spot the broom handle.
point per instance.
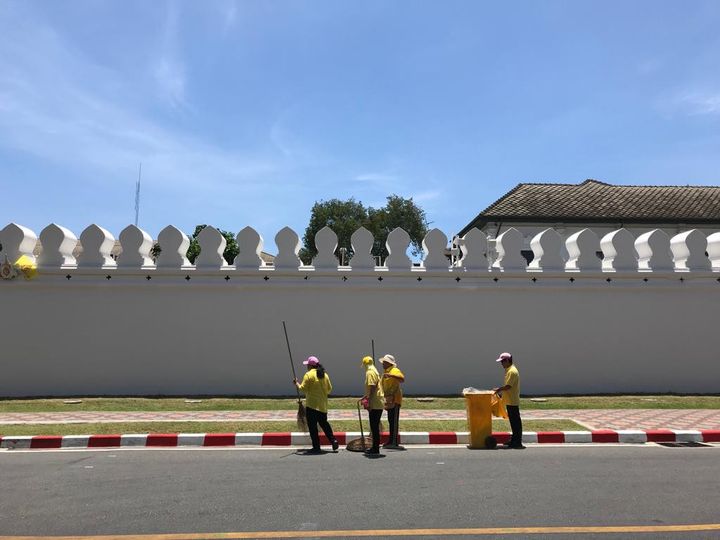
(291, 361)
(362, 435)
(372, 341)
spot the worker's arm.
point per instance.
(301, 386)
(510, 380)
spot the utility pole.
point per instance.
(137, 195)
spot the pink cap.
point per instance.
(504, 356)
(311, 361)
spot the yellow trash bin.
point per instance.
(479, 416)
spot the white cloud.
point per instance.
(376, 177)
(168, 69)
(426, 196)
(700, 103)
(170, 77)
(230, 14)
(650, 66)
(697, 101)
(60, 107)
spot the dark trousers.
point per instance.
(394, 421)
(314, 418)
(515, 424)
(375, 415)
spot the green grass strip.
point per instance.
(269, 404)
(259, 427)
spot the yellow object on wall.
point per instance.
(26, 265)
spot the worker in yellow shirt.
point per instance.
(510, 393)
(316, 386)
(374, 401)
(391, 379)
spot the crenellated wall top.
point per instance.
(617, 253)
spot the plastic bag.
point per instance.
(497, 407)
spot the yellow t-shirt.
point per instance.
(372, 378)
(512, 379)
(391, 380)
(316, 390)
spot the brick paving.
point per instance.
(590, 418)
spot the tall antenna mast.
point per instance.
(137, 195)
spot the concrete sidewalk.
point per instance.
(593, 419)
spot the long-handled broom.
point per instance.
(372, 345)
(363, 443)
(301, 416)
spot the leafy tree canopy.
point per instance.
(231, 248)
(345, 217)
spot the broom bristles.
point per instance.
(301, 417)
(360, 444)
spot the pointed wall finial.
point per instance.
(435, 245)
(397, 244)
(97, 245)
(250, 244)
(688, 249)
(17, 241)
(288, 244)
(174, 245)
(509, 247)
(583, 247)
(653, 250)
(212, 246)
(547, 247)
(474, 248)
(362, 242)
(58, 244)
(326, 242)
(136, 245)
(618, 249)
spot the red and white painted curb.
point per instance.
(632, 436)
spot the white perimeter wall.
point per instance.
(90, 335)
(644, 319)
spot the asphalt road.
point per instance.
(203, 491)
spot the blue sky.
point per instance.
(247, 112)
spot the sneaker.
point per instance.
(335, 445)
(313, 451)
(372, 451)
(517, 447)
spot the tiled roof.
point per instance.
(596, 201)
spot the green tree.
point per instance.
(398, 212)
(345, 217)
(231, 248)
